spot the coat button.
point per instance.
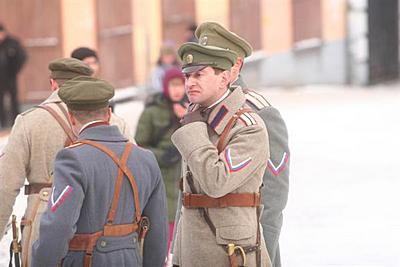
(45, 193)
(103, 243)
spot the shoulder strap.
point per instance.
(228, 128)
(122, 167)
(67, 129)
(118, 184)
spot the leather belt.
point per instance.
(230, 200)
(83, 242)
(35, 188)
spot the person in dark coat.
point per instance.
(12, 58)
(158, 121)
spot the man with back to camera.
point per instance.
(108, 203)
(37, 135)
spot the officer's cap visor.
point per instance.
(191, 69)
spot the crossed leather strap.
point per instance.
(35, 188)
(202, 202)
(87, 242)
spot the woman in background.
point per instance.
(157, 122)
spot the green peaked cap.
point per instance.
(195, 57)
(213, 34)
(68, 68)
(86, 93)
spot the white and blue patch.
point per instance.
(276, 170)
(235, 167)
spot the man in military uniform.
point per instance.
(276, 178)
(225, 150)
(36, 137)
(103, 187)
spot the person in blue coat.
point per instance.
(107, 193)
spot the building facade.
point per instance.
(296, 41)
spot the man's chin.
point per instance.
(193, 99)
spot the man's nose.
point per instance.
(189, 81)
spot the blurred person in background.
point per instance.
(167, 59)
(89, 56)
(156, 124)
(190, 33)
(12, 58)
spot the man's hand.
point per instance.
(197, 115)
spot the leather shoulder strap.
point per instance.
(228, 128)
(66, 127)
(123, 168)
(118, 185)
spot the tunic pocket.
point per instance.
(122, 250)
(236, 234)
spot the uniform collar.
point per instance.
(105, 133)
(224, 110)
(219, 100)
(93, 124)
(53, 98)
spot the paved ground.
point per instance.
(343, 202)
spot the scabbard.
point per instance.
(15, 255)
(233, 260)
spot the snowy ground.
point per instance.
(343, 202)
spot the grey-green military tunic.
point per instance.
(84, 183)
(239, 168)
(276, 177)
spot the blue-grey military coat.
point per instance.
(276, 177)
(84, 182)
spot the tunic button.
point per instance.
(45, 193)
(103, 243)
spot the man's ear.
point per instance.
(53, 84)
(226, 78)
(235, 70)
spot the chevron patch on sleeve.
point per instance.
(54, 204)
(235, 167)
(277, 169)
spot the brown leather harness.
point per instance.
(140, 224)
(35, 188)
(202, 202)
